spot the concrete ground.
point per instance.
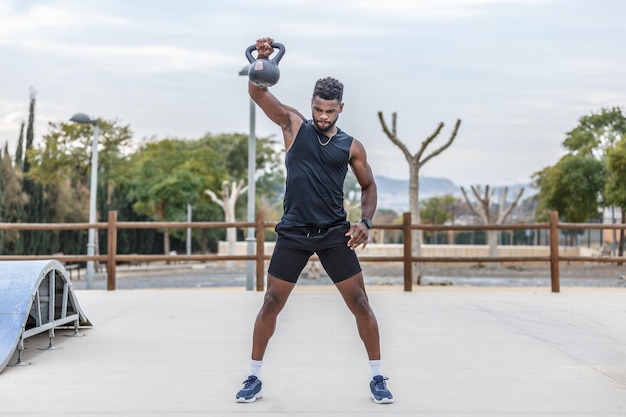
(448, 352)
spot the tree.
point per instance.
(233, 148)
(575, 186)
(615, 186)
(229, 195)
(163, 177)
(389, 216)
(30, 130)
(2, 202)
(62, 165)
(37, 210)
(66, 153)
(490, 214)
(594, 136)
(572, 188)
(19, 153)
(596, 133)
(438, 210)
(416, 162)
(12, 201)
(269, 178)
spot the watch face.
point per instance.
(367, 222)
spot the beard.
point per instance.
(325, 127)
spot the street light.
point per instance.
(251, 189)
(91, 245)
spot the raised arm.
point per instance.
(286, 117)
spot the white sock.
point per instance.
(255, 368)
(377, 367)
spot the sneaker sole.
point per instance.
(250, 400)
(382, 400)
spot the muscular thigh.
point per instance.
(287, 264)
(339, 261)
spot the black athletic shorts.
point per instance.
(296, 244)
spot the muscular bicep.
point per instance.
(271, 106)
(365, 177)
(360, 166)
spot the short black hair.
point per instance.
(328, 89)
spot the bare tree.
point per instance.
(483, 210)
(230, 194)
(416, 162)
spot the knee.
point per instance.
(272, 304)
(360, 306)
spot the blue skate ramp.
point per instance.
(35, 296)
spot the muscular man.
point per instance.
(318, 154)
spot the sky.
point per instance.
(518, 73)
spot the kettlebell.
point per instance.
(264, 72)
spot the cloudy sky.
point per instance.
(518, 73)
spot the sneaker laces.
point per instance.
(380, 383)
(248, 383)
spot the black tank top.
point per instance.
(315, 177)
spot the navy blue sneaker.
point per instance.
(251, 390)
(380, 393)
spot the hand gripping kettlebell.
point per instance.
(264, 72)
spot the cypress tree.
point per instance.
(35, 242)
(19, 153)
(30, 131)
(2, 204)
(2, 190)
(12, 200)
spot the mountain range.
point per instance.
(394, 193)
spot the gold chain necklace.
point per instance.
(320, 140)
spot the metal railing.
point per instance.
(407, 259)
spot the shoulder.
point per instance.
(293, 128)
(295, 114)
(304, 127)
(357, 150)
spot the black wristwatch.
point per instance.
(368, 223)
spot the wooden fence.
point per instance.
(112, 257)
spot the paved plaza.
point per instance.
(448, 352)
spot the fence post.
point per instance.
(260, 252)
(408, 252)
(554, 251)
(111, 250)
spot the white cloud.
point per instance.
(41, 22)
(515, 75)
(137, 58)
(428, 9)
(589, 66)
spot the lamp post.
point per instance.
(91, 245)
(251, 188)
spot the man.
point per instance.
(317, 157)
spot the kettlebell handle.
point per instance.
(275, 45)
